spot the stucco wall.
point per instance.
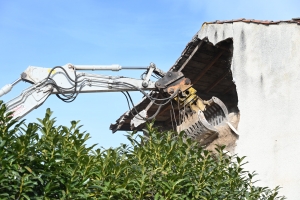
(266, 70)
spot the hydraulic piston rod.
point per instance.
(105, 67)
(7, 88)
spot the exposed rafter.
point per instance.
(214, 84)
(208, 66)
(191, 56)
(231, 87)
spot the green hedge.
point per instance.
(46, 161)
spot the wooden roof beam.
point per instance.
(230, 88)
(208, 66)
(191, 56)
(217, 81)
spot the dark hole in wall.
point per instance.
(210, 72)
(230, 93)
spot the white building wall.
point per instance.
(266, 70)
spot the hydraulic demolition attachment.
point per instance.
(200, 118)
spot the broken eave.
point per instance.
(208, 67)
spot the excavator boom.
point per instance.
(198, 117)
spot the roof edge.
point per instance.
(264, 22)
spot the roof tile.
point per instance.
(264, 22)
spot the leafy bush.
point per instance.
(46, 161)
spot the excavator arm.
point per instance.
(67, 83)
(198, 117)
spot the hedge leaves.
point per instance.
(46, 161)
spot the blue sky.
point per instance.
(129, 32)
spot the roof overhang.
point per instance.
(208, 67)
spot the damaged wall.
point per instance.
(265, 69)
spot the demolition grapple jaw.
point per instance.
(202, 122)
